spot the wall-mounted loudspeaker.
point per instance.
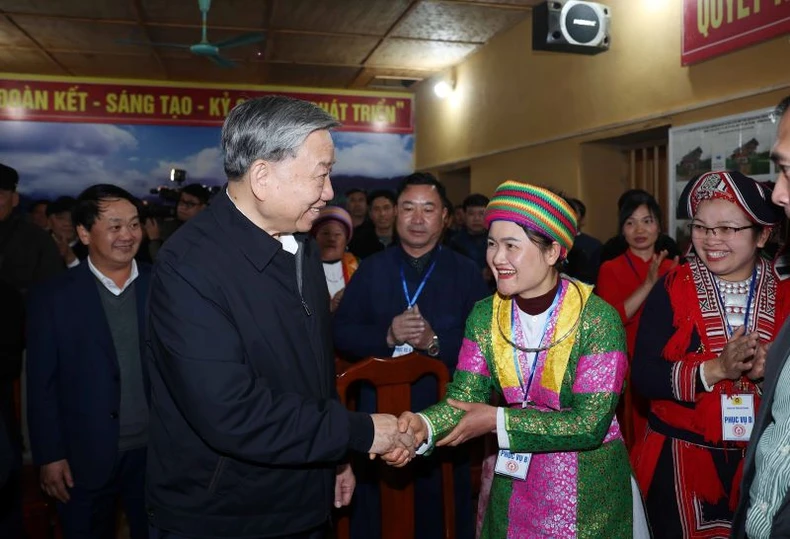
(570, 26)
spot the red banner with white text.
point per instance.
(129, 103)
(715, 27)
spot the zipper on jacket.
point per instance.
(212, 486)
(299, 266)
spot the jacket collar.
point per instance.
(256, 244)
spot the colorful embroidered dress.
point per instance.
(579, 480)
(689, 475)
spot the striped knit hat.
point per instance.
(536, 208)
(333, 213)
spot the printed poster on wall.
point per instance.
(64, 135)
(740, 142)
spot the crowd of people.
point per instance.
(184, 369)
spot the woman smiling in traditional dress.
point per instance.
(556, 354)
(700, 354)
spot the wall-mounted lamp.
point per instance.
(445, 86)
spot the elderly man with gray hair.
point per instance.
(247, 437)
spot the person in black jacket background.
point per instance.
(12, 315)
(247, 435)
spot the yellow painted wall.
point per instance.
(522, 114)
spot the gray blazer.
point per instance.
(775, 362)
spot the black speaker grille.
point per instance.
(582, 23)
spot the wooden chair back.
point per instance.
(392, 378)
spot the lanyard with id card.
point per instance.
(406, 348)
(737, 410)
(516, 465)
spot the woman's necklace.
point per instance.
(735, 294)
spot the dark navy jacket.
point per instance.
(374, 296)
(245, 427)
(73, 379)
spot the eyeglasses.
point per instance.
(721, 232)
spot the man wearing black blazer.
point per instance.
(764, 507)
(87, 398)
(248, 438)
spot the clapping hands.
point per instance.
(410, 327)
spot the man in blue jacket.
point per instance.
(86, 398)
(247, 435)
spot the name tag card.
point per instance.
(402, 350)
(513, 465)
(737, 417)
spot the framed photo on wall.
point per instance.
(740, 142)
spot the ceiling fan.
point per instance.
(204, 47)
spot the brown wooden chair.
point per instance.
(392, 379)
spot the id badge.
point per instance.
(737, 417)
(513, 465)
(402, 350)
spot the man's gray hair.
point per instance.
(270, 128)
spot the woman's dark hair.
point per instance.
(88, 206)
(630, 201)
(543, 243)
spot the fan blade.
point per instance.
(152, 44)
(238, 41)
(220, 61)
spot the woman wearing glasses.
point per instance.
(700, 354)
(625, 281)
(555, 353)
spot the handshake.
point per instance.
(397, 439)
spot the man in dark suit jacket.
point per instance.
(87, 405)
(247, 434)
(764, 507)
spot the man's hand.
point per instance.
(411, 421)
(344, 485)
(479, 419)
(55, 477)
(426, 336)
(414, 425)
(387, 437)
(406, 327)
